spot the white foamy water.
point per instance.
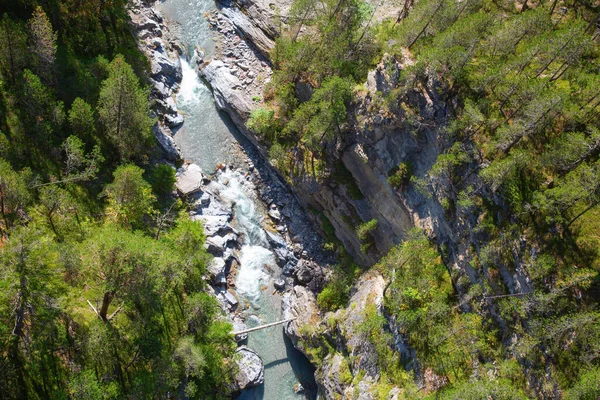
(254, 263)
(248, 218)
(191, 88)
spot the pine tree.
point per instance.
(130, 197)
(81, 119)
(124, 111)
(43, 44)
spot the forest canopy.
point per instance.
(97, 300)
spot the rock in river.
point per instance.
(189, 179)
(252, 370)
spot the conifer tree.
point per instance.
(123, 110)
(43, 44)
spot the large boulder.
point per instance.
(251, 369)
(189, 179)
(164, 69)
(266, 14)
(310, 274)
(299, 303)
(227, 90)
(216, 245)
(215, 224)
(216, 268)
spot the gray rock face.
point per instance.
(227, 89)
(309, 274)
(164, 138)
(216, 269)
(216, 245)
(243, 24)
(251, 369)
(161, 49)
(164, 69)
(266, 14)
(384, 78)
(231, 299)
(299, 303)
(215, 224)
(304, 91)
(332, 373)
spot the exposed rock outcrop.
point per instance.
(245, 27)
(251, 369)
(351, 371)
(162, 49)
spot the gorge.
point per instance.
(338, 199)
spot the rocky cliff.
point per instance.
(381, 138)
(162, 49)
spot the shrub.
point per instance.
(365, 229)
(400, 175)
(262, 121)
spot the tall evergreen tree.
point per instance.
(43, 44)
(123, 110)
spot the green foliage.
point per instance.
(123, 110)
(262, 121)
(13, 48)
(321, 117)
(500, 389)
(41, 112)
(586, 387)
(334, 296)
(130, 197)
(341, 175)
(81, 119)
(364, 230)
(14, 193)
(400, 175)
(92, 305)
(162, 179)
(43, 43)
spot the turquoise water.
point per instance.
(208, 138)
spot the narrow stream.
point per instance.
(207, 138)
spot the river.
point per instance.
(208, 138)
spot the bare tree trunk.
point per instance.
(10, 53)
(368, 24)
(404, 11)
(526, 131)
(308, 10)
(557, 54)
(594, 204)
(441, 3)
(106, 300)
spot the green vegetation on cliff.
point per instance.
(98, 299)
(518, 83)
